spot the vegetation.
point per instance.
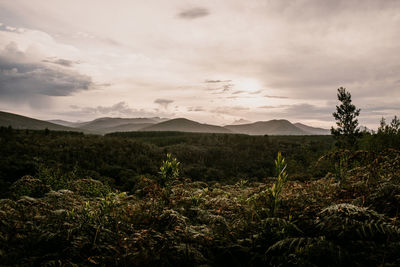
(119, 160)
(221, 200)
(346, 119)
(316, 222)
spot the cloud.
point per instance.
(60, 61)
(219, 86)
(269, 107)
(217, 81)
(238, 92)
(276, 96)
(229, 110)
(163, 102)
(195, 109)
(21, 78)
(118, 109)
(194, 13)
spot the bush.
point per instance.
(90, 188)
(29, 186)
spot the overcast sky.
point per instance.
(206, 60)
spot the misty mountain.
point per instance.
(240, 121)
(65, 123)
(101, 124)
(312, 130)
(185, 125)
(129, 127)
(21, 122)
(109, 125)
(272, 127)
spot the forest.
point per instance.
(197, 199)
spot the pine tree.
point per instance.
(346, 119)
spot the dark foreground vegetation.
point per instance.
(119, 160)
(339, 210)
(217, 200)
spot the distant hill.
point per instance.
(21, 122)
(272, 127)
(240, 121)
(130, 127)
(185, 125)
(65, 123)
(106, 123)
(109, 125)
(312, 130)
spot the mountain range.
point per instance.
(109, 125)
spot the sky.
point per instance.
(215, 62)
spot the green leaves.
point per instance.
(346, 119)
(276, 190)
(169, 169)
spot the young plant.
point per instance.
(275, 191)
(169, 170)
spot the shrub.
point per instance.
(29, 186)
(169, 169)
(89, 187)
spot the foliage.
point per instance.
(318, 223)
(119, 160)
(275, 191)
(29, 186)
(233, 213)
(346, 119)
(169, 169)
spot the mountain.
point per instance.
(312, 130)
(109, 125)
(240, 121)
(272, 127)
(21, 122)
(129, 127)
(106, 123)
(185, 125)
(65, 123)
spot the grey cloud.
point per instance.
(195, 109)
(217, 81)
(219, 86)
(269, 107)
(229, 109)
(60, 61)
(276, 96)
(118, 109)
(194, 13)
(21, 79)
(163, 102)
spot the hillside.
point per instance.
(272, 127)
(312, 130)
(65, 123)
(22, 122)
(101, 124)
(185, 125)
(129, 127)
(108, 125)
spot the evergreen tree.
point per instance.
(346, 119)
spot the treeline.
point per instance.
(120, 159)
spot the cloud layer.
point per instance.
(213, 61)
(21, 78)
